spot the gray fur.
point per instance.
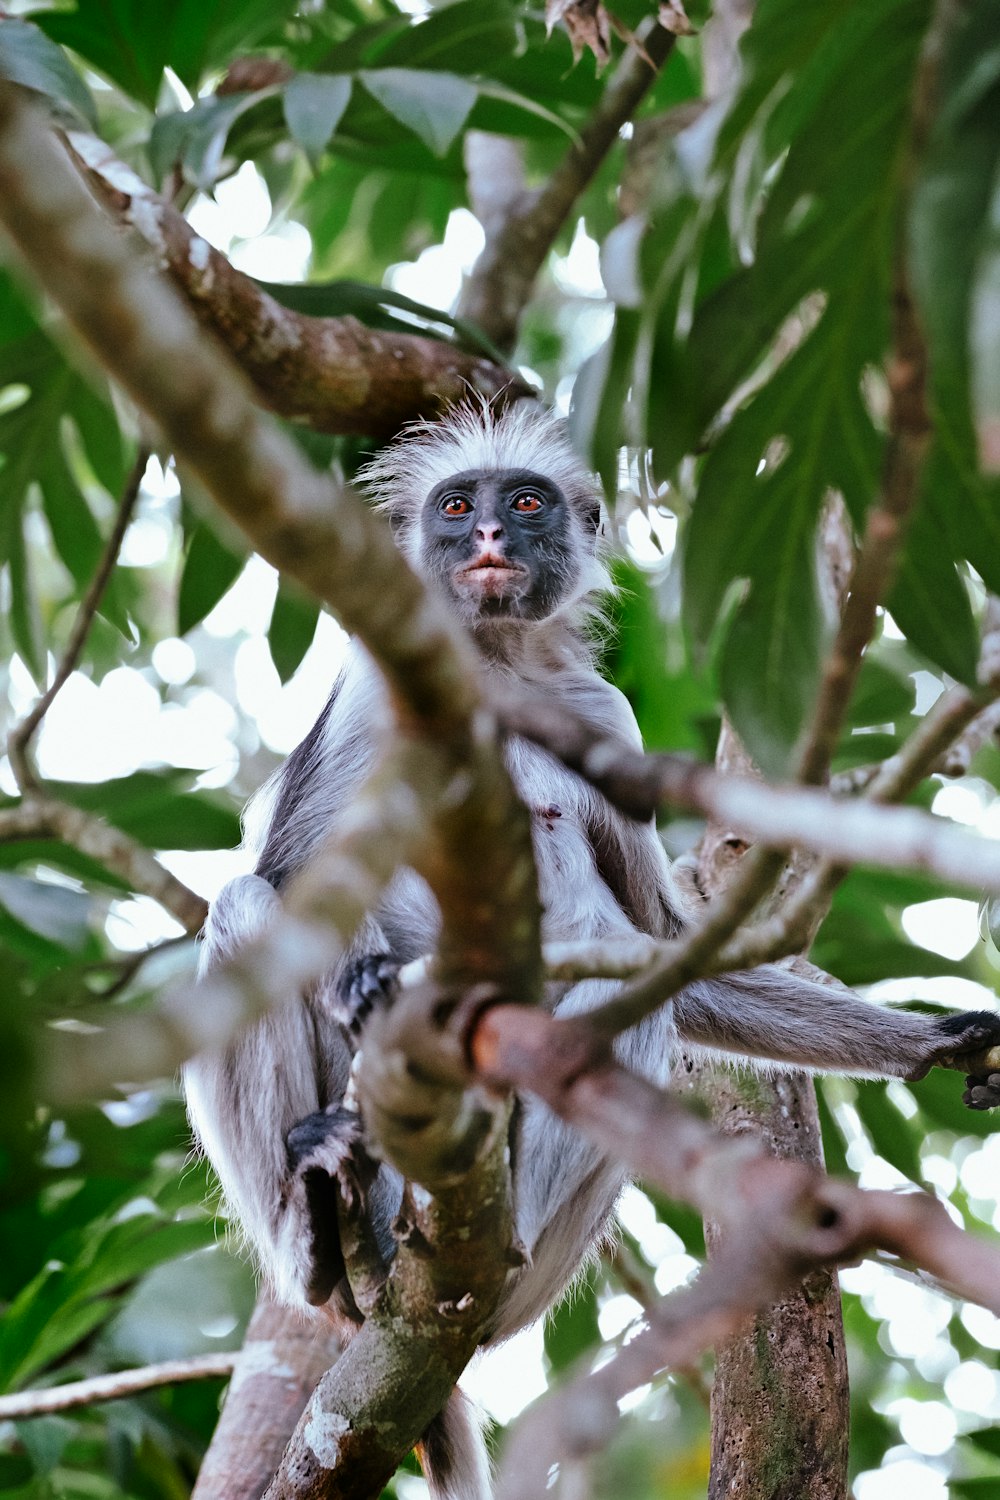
(600, 875)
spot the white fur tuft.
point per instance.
(473, 437)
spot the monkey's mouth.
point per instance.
(492, 577)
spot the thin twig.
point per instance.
(793, 928)
(500, 285)
(21, 735)
(96, 1388)
(690, 956)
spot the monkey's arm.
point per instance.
(774, 1014)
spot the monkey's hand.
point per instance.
(321, 1167)
(971, 1045)
(363, 985)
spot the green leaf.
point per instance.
(951, 205)
(210, 568)
(30, 58)
(314, 104)
(34, 452)
(571, 1329)
(647, 658)
(51, 911)
(929, 601)
(132, 44)
(824, 111)
(292, 627)
(373, 306)
(151, 807)
(881, 696)
(197, 137)
(987, 1440)
(459, 38)
(984, 324)
(434, 106)
(893, 1137)
(599, 396)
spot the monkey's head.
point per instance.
(496, 510)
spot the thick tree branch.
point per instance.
(300, 520)
(333, 374)
(517, 243)
(283, 1357)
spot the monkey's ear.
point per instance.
(594, 519)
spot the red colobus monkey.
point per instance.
(501, 518)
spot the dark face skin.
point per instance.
(501, 543)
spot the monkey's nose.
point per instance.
(489, 533)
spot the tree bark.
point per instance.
(781, 1399)
(282, 1360)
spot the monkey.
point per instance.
(502, 519)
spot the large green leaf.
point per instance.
(953, 246)
(210, 567)
(292, 627)
(821, 122)
(434, 106)
(314, 104)
(70, 1298)
(35, 452)
(118, 36)
(30, 58)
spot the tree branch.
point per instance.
(44, 817)
(500, 284)
(21, 735)
(778, 817)
(312, 529)
(24, 1404)
(283, 1357)
(333, 374)
(781, 1219)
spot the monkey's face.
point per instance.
(504, 544)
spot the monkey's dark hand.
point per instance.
(322, 1169)
(368, 982)
(971, 1044)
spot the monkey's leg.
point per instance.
(565, 1188)
(245, 1101)
(771, 1013)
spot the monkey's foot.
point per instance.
(322, 1173)
(973, 1047)
(982, 1091)
(367, 983)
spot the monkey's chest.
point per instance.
(576, 901)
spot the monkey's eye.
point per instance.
(455, 505)
(528, 503)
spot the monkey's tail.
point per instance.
(453, 1453)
